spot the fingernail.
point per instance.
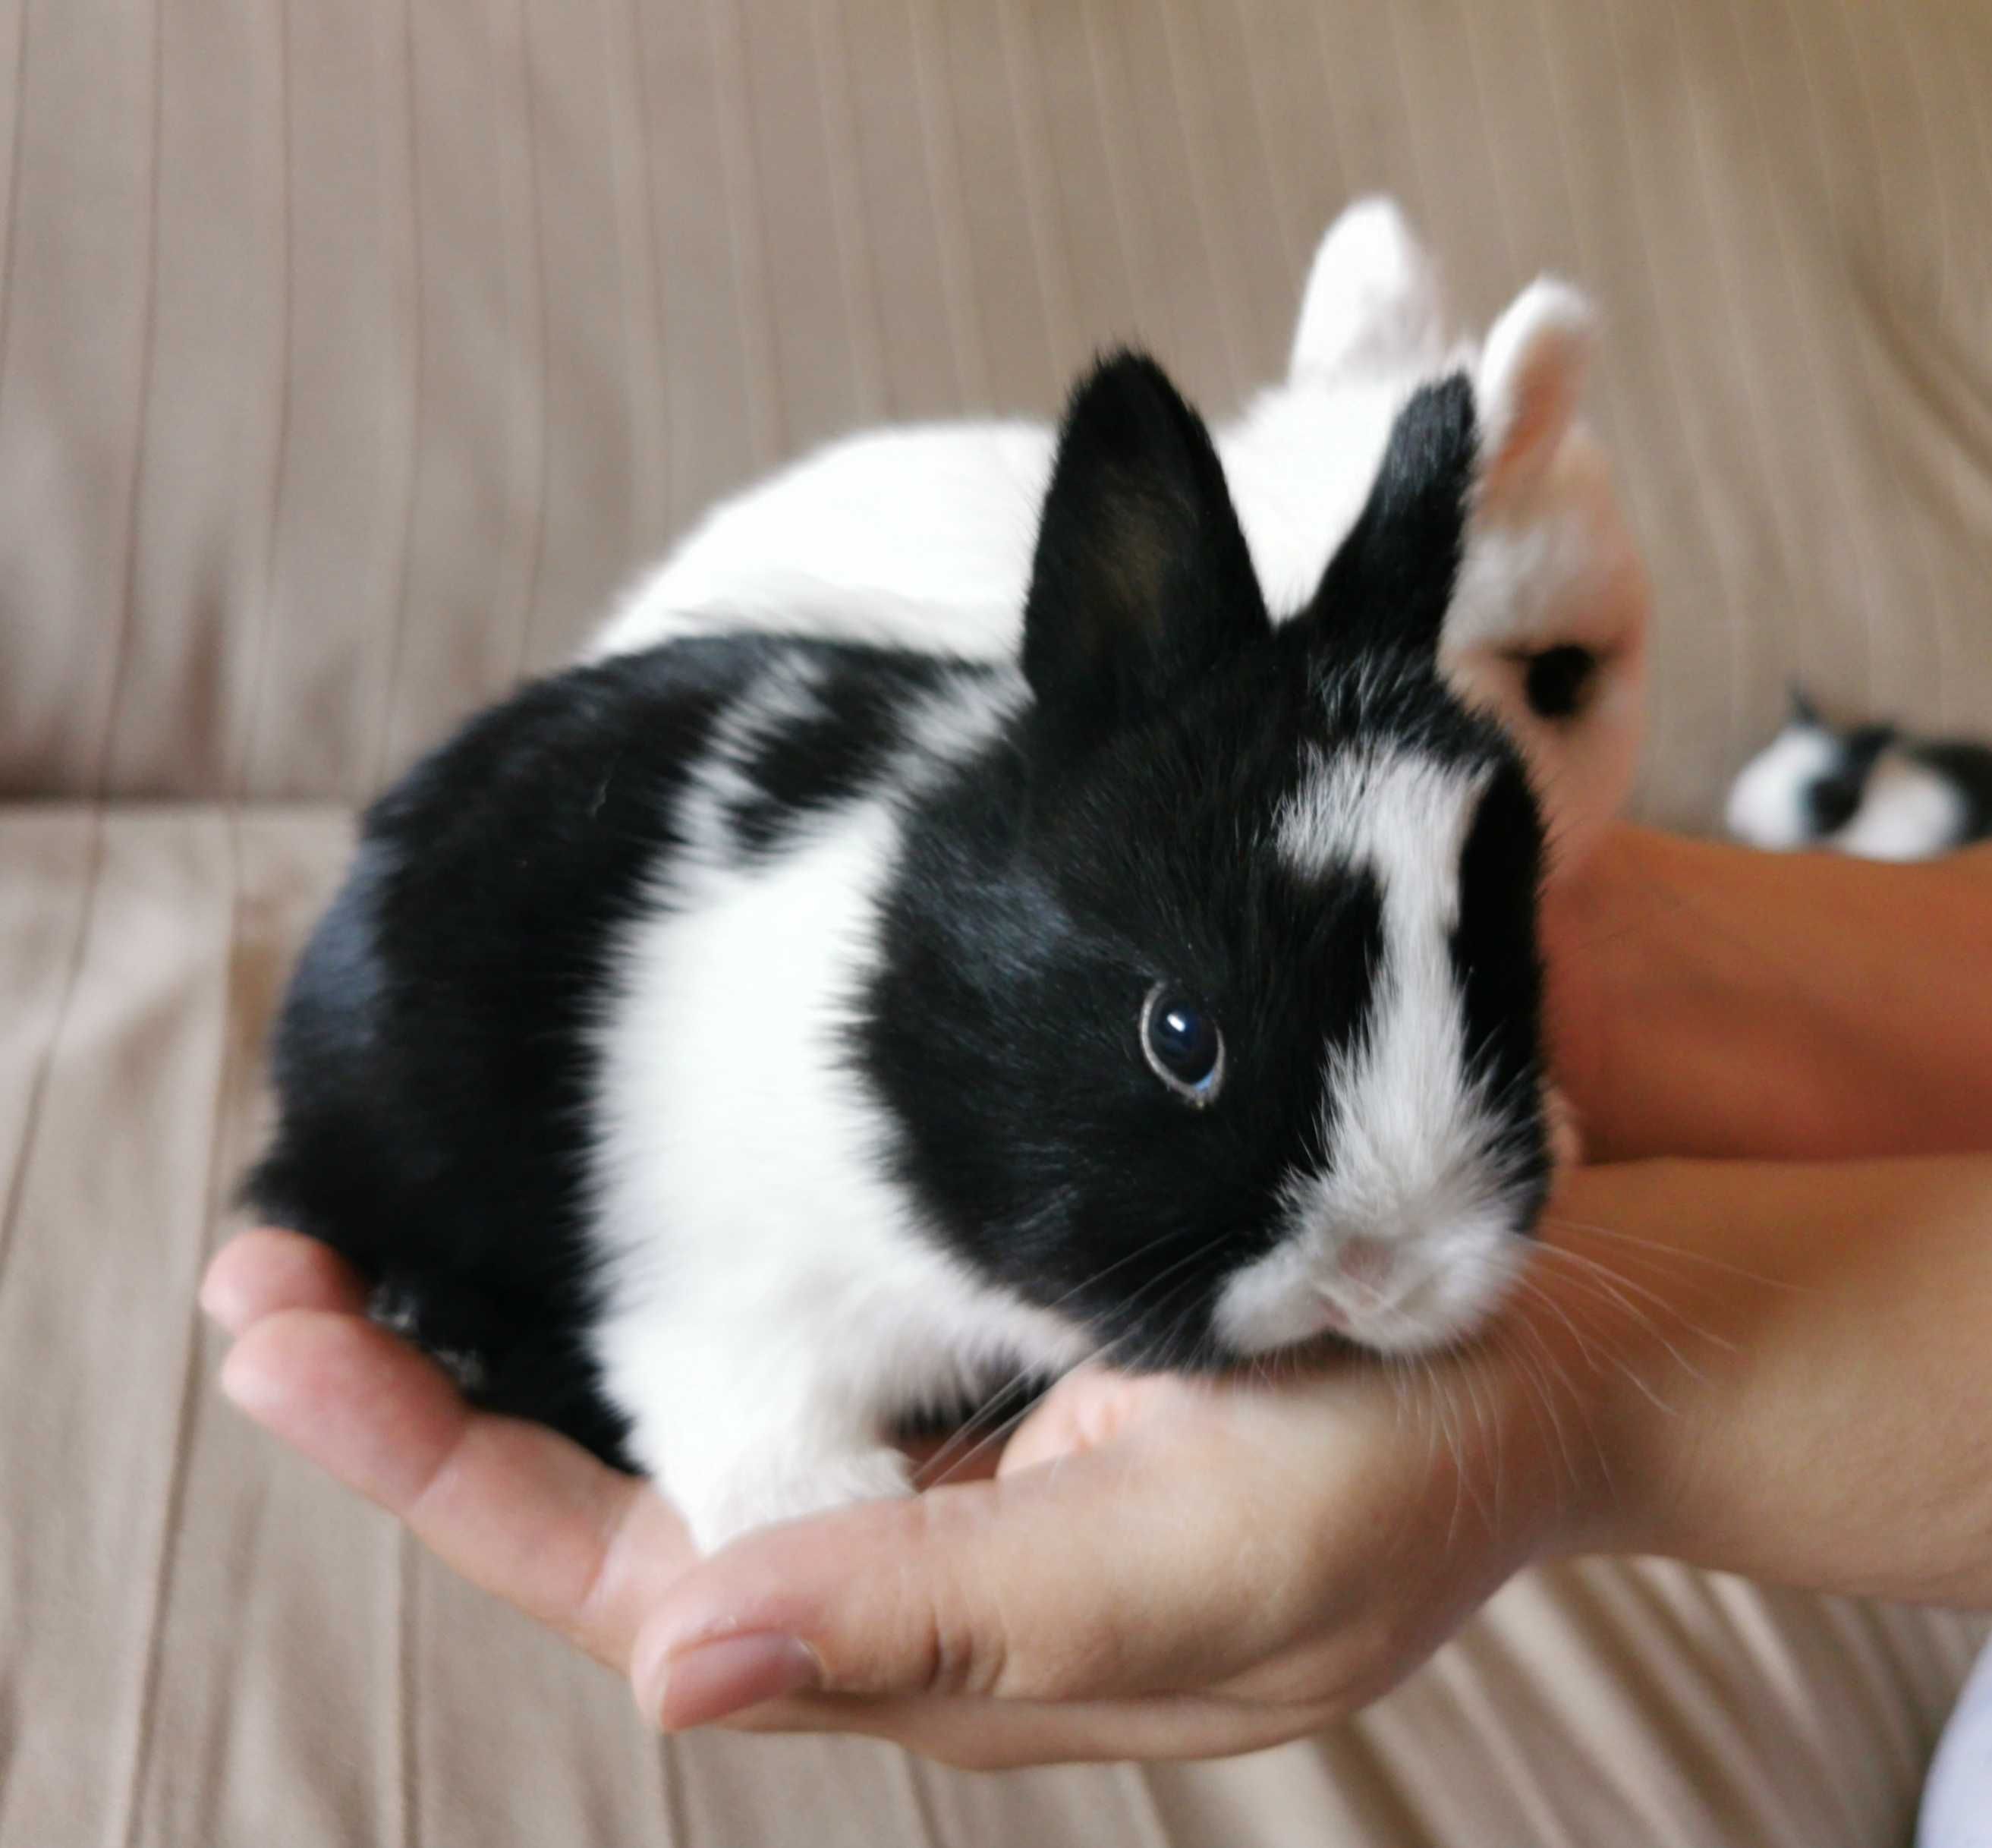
(714, 1679)
(215, 1305)
(242, 1386)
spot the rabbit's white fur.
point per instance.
(1909, 810)
(822, 1297)
(921, 535)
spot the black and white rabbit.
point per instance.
(1874, 791)
(726, 1051)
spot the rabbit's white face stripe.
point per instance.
(1395, 811)
(1413, 1172)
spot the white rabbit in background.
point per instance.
(921, 535)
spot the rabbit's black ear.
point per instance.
(1801, 711)
(1865, 743)
(1389, 585)
(1142, 581)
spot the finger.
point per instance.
(258, 1273)
(514, 1508)
(981, 1734)
(1085, 1410)
(1094, 1577)
(1081, 1411)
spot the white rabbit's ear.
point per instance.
(1531, 375)
(1373, 301)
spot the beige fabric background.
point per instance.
(350, 355)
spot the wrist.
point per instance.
(1555, 1462)
(1626, 1346)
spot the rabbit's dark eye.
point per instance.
(1182, 1044)
(1559, 679)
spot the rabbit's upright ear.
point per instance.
(1865, 743)
(1373, 302)
(1531, 375)
(1142, 580)
(1388, 588)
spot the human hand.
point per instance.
(1161, 1567)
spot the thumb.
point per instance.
(1097, 1575)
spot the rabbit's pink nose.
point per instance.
(1370, 1262)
